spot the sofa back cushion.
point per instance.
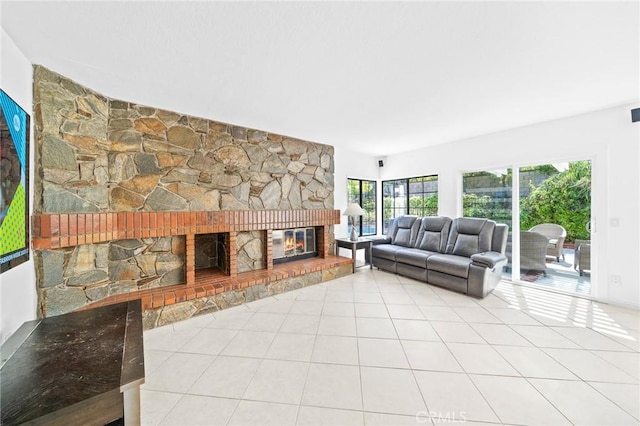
(500, 234)
(433, 234)
(402, 231)
(470, 236)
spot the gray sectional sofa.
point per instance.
(463, 254)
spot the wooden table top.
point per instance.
(55, 363)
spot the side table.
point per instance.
(361, 243)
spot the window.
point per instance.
(418, 196)
(487, 194)
(423, 196)
(394, 194)
(363, 192)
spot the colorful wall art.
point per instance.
(14, 184)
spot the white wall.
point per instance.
(18, 298)
(607, 137)
(350, 165)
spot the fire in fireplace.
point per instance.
(293, 244)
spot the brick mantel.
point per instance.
(52, 231)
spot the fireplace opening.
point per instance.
(211, 252)
(294, 244)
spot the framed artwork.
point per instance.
(14, 183)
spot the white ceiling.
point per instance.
(380, 77)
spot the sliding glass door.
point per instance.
(555, 230)
(548, 210)
(488, 194)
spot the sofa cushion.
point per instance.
(385, 251)
(412, 256)
(449, 264)
(406, 221)
(433, 234)
(403, 237)
(465, 245)
(499, 240)
(470, 236)
(403, 230)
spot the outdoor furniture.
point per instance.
(555, 235)
(533, 251)
(582, 258)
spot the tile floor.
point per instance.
(377, 349)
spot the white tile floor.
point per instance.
(377, 349)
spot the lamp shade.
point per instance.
(354, 209)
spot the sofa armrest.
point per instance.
(380, 240)
(488, 259)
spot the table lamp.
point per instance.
(353, 210)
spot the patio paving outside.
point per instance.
(560, 276)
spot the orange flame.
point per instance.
(289, 244)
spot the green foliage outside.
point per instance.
(484, 206)
(368, 202)
(564, 198)
(487, 206)
(424, 206)
(387, 202)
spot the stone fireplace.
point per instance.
(135, 201)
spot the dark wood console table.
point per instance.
(79, 368)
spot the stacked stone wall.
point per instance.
(72, 277)
(97, 154)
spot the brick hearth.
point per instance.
(216, 282)
(54, 231)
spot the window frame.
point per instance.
(360, 198)
(406, 197)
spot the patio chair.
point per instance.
(555, 235)
(533, 251)
(582, 259)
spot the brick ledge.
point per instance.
(211, 283)
(58, 230)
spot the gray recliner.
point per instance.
(464, 254)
